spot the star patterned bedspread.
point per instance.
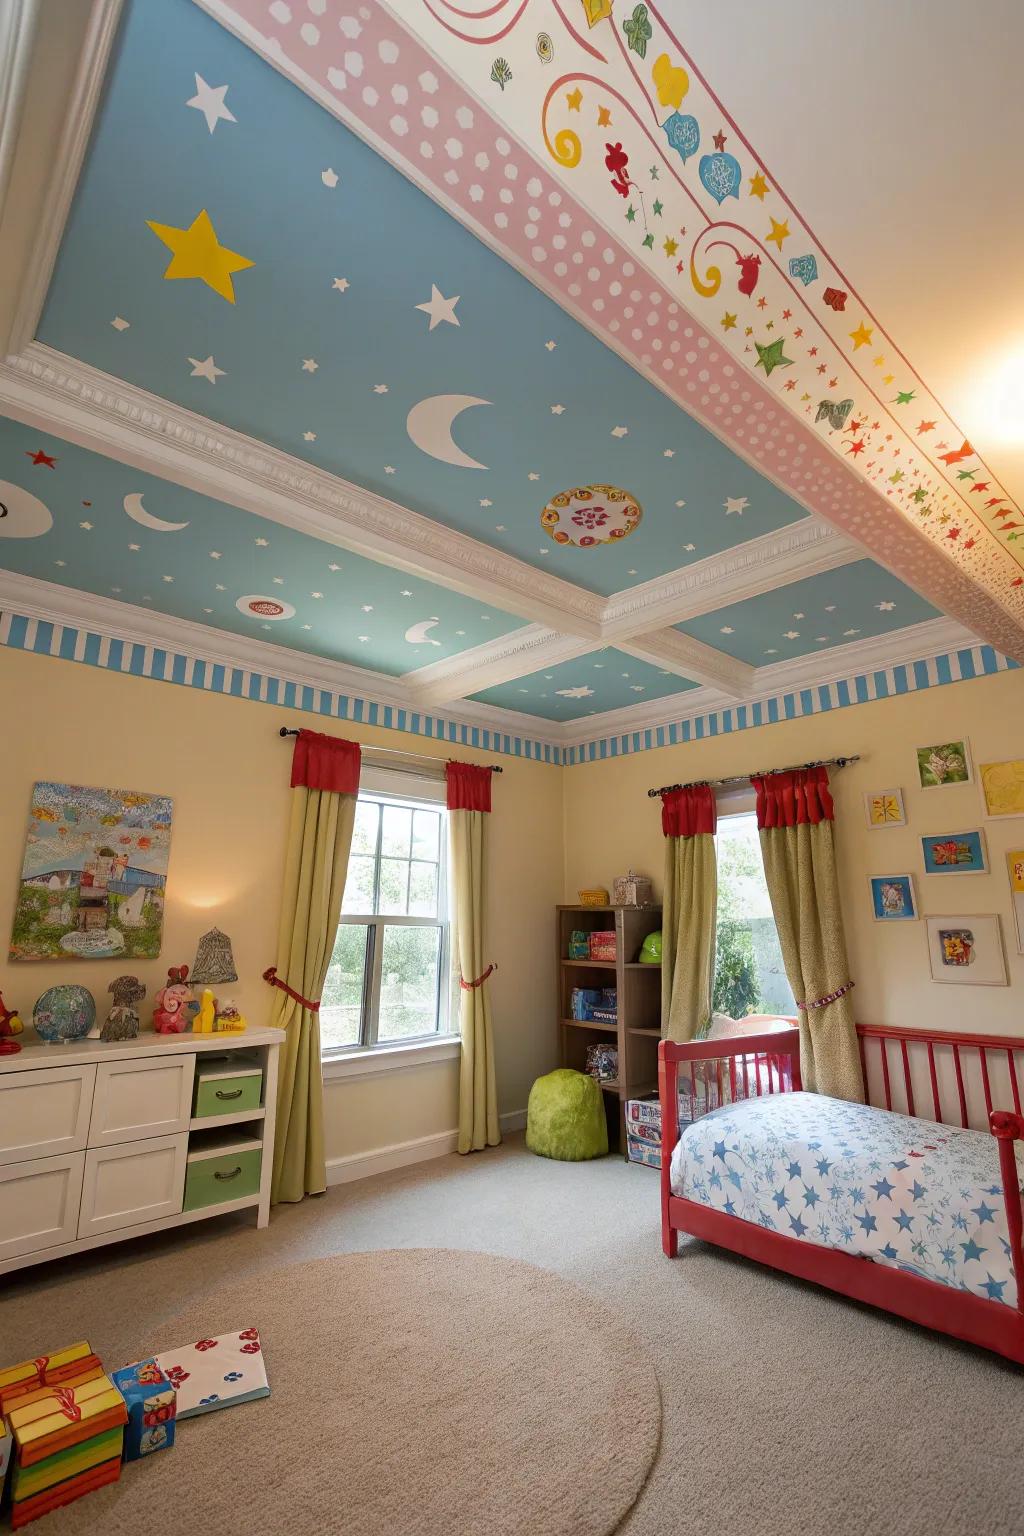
(904, 1192)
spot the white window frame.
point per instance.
(370, 1056)
(738, 801)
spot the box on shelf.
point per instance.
(603, 944)
(594, 1003)
(152, 1407)
(633, 890)
(68, 1440)
(639, 1150)
(579, 944)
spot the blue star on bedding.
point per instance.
(909, 1193)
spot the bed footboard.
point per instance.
(1008, 1128)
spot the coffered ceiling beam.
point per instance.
(502, 660)
(690, 658)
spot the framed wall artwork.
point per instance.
(1002, 786)
(884, 808)
(954, 853)
(967, 951)
(948, 762)
(93, 876)
(1015, 870)
(892, 898)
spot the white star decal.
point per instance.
(830, 607)
(620, 431)
(363, 639)
(637, 688)
(533, 475)
(209, 100)
(310, 365)
(219, 588)
(60, 562)
(689, 547)
(885, 607)
(485, 502)
(405, 592)
(341, 284)
(262, 543)
(851, 631)
(575, 693)
(389, 469)
(120, 324)
(309, 437)
(821, 639)
(135, 546)
(86, 526)
(735, 504)
(316, 594)
(439, 308)
(550, 345)
(791, 634)
(499, 528)
(329, 177)
(799, 615)
(367, 607)
(772, 651)
(214, 554)
(206, 370)
(669, 453)
(167, 578)
(727, 629)
(556, 410)
(380, 389)
(334, 567)
(307, 626)
(278, 581)
(680, 503)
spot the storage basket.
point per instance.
(633, 890)
(594, 896)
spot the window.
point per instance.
(749, 974)
(389, 978)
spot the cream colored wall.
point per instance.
(226, 769)
(610, 826)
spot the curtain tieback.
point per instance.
(470, 986)
(833, 997)
(275, 981)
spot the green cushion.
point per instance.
(565, 1117)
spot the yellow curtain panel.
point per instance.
(469, 805)
(689, 912)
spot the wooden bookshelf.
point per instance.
(638, 995)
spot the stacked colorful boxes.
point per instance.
(603, 944)
(152, 1407)
(643, 1116)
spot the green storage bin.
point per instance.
(231, 1174)
(226, 1089)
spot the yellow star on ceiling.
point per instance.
(778, 232)
(878, 362)
(196, 252)
(575, 99)
(861, 337)
(888, 378)
(758, 186)
(728, 322)
(604, 117)
(670, 247)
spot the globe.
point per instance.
(64, 1014)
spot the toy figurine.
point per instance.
(175, 1005)
(123, 1019)
(229, 1021)
(204, 1021)
(10, 1025)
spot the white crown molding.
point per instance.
(805, 548)
(501, 660)
(18, 21)
(59, 394)
(691, 658)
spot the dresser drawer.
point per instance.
(226, 1089)
(137, 1099)
(131, 1183)
(231, 1174)
(39, 1203)
(44, 1113)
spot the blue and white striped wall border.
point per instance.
(861, 688)
(136, 659)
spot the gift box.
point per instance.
(66, 1492)
(216, 1373)
(72, 1366)
(52, 1418)
(151, 1401)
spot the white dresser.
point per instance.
(99, 1142)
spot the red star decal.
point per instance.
(854, 426)
(679, 266)
(798, 332)
(832, 383)
(982, 485)
(761, 302)
(786, 314)
(969, 544)
(1018, 583)
(857, 447)
(925, 426)
(791, 383)
(994, 501)
(821, 368)
(39, 457)
(718, 139)
(954, 533)
(812, 352)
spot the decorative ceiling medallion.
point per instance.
(256, 607)
(591, 514)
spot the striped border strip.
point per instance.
(861, 688)
(70, 643)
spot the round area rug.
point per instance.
(417, 1392)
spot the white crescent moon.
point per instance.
(22, 515)
(137, 512)
(429, 424)
(417, 634)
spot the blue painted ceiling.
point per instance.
(603, 680)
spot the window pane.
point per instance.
(394, 881)
(423, 890)
(749, 974)
(364, 833)
(425, 829)
(342, 1001)
(358, 885)
(397, 831)
(408, 999)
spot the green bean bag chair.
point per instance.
(565, 1117)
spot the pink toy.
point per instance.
(175, 1004)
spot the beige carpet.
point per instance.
(413, 1393)
(785, 1411)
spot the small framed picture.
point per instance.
(884, 808)
(892, 898)
(1015, 870)
(948, 762)
(1002, 786)
(967, 951)
(954, 853)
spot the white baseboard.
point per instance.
(400, 1154)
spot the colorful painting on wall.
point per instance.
(94, 875)
(954, 853)
(884, 808)
(892, 898)
(947, 763)
(1002, 785)
(967, 951)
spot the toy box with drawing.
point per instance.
(152, 1408)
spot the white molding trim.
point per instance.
(79, 111)
(56, 393)
(379, 1060)
(18, 23)
(498, 661)
(691, 658)
(400, 1154)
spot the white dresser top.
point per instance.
(147, 1043)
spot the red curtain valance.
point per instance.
(793, 798)
(326, 762)
(469, 787)
(686, 812)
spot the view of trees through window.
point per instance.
(749, 973)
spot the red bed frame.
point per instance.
(770, 1063)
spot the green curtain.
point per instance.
(319, 838)
(690, 905)
(469, 804)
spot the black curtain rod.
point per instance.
(745, 778)
(395, 751)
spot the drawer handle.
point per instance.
(235, 1093)
(232, 1175)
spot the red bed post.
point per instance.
(668, 1093)
(1009, 1128)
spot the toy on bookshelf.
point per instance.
(123, 1018)
(175, 1004)
(10, 1025)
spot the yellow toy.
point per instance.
(229, 1021)
(204, 1022)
